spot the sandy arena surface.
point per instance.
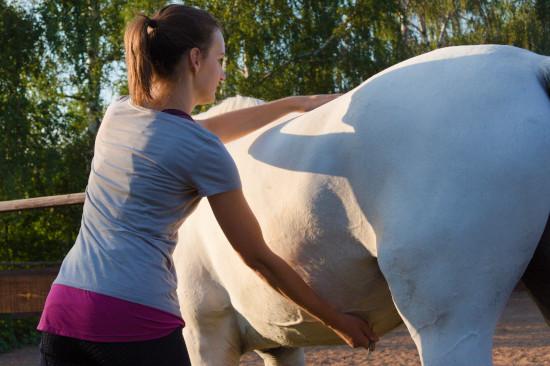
(522, 338)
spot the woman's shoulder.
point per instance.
(122, 108)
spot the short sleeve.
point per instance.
(214, 170)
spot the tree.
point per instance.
(56, 73)
(28, 130)
(277, 48)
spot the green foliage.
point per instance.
(279, 48)
(282, 47)
(15, 333)
(37, 143)
(83, 39)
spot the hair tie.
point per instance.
(152, 23)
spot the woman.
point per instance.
(114, 301)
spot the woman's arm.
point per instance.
(243, 232)
(232, 125)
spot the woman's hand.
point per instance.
(305, 103)
(355, 331)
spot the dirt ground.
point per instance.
(522, 338)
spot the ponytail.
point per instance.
(155, 45)
(138, 59)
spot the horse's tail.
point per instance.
(537, 275)
(545, 74)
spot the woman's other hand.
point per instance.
(305, 103)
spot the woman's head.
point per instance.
(177, 38)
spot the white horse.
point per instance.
(419, 196)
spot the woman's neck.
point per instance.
(172, 96)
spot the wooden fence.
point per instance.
(24, 291)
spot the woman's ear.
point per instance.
(194, 59)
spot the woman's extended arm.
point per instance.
(243, 232)
(232, 125)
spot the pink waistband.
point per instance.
(82, 314)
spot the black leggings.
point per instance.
(64, 351)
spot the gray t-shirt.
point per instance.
(149, 171)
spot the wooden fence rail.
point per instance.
(24, 291)
(42, 202)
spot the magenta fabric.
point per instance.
(179, 113)
(82, 314)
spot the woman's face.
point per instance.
(211, 73)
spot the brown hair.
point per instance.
(155, 45)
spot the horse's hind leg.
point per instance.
(211, 330)
(449, 318)
(537, 276)
(283, 356)
(211, 337)
(450, 284)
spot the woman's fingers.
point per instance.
(319, 100)
(373, 338)
(369, 332)
(356, 332)
(308, 102)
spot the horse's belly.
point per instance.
(318, 229)
(346, 276)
